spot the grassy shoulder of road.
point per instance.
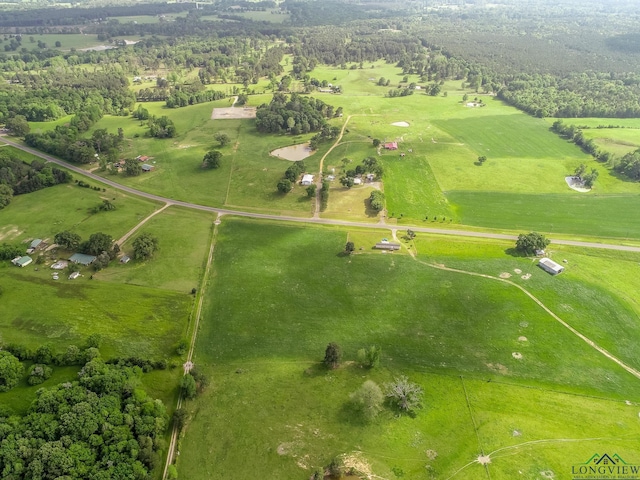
(292, 416)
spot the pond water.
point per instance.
(294, 152)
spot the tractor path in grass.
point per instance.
(322, 221)
(588, 341)
(127, 235)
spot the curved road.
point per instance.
(323, 221)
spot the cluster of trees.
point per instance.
(376, 200)
(291, 174)
(9, 251)
(99, 244)
(629, 165)
(18, 177)
(574, 134)
(324, 194)
(182, 97)
(295, 114)
(65, 141)
(193, 383)
(368, 165)
(52, 93)
(162, 127)
(576, 95)
(587, 178)
(400, 92)
(100, 426)
(325, 134)
(368, 401)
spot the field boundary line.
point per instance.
(188, 364)
(126, 236)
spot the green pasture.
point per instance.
(67, 41)
(247, 178)
(46, 212)
(595, 294)
(618, 141)
(593, 215)
(452, 333)
(132, 320)
(183, 245)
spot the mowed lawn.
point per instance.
(272, 307)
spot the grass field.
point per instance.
(520, 186)
(46, 212)
(449, 332)
(183, 237)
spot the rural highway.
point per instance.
(322, 221)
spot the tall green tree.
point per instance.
(145, 246)
(212, 159)
(68, 240)
(11, 371)
(6, 194)
(18, 125)
(530, 242)
(332, 355)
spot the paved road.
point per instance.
(322, 221)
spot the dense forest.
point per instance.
(18, 177)
(100, 427)
(295, 114)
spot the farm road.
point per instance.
(322, 221)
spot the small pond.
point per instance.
(294, 152)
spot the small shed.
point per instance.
(550, 266)
(125, 259)
(307, 179)
(74, 275)
(22, 261)
(35, 243)
(387, 246)
(82, 259)
(391, 145)
(146, 167)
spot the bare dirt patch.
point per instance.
(484, 459)
(498, 367)
(357, 462)
(517, 355)
(9, 234)
(505, 275)
(228, 113)
(431, 454)
(400, 124)
(522, 339)
(517, 271)
(526, 276)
